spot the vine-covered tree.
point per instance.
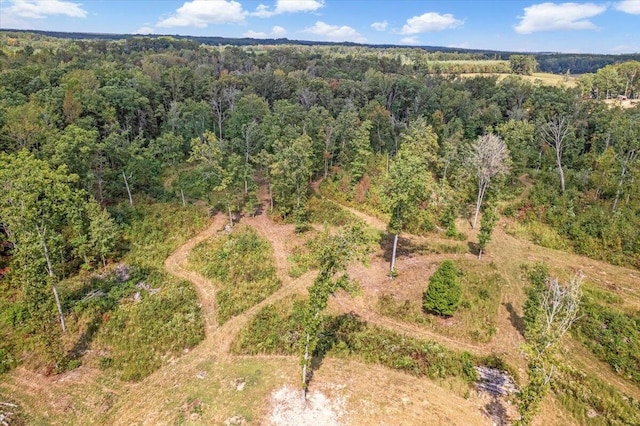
(549, 312)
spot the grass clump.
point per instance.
(475, 318)
(242, 266)
(277, 329)
(611, 334)
(323, 211)
(592, 401)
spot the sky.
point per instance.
(610, 27)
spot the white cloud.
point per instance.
(200, 13)
(145, 30)
(40, 9)
(255, 34)
(413, 40)
(295, 6)
(629, 6)
(430, 22)
(380, 26)
(563, 16)
(625, 48)
(463, 45)
(262, 11)
(278, 32)
(335, 33)
(288, 6)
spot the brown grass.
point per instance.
(209, 386)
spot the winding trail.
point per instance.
(149, 395)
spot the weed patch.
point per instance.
(611, 334)
(593, 402)
(475, 319)
(242, 266)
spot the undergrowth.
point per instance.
(610, 333)
(592, 401)
(242, 266)
(474, 319)
(276, 329)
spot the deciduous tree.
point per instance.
(489, 158)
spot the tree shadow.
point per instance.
(516, 320)
(405, 246)
(474, 248)
(337, 331)
(497, 412)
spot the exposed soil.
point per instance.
(342, 392)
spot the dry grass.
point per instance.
(538, 77)
(209, 386)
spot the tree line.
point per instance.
(85, 125)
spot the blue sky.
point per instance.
(528, 26)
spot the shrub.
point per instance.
(444, 292)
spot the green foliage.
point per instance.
(444, 292)
(522, 64)
(241, 264)
(611, 334)
(141, 334)
(323, 211)
(276, 330)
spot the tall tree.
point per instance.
(557, 134)
(549, 312)
(489, 158)
(290, 174)
(335, 253)
(410, 182)
(39, 208)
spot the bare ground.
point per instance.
(353, 393)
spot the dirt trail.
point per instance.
(175, 265)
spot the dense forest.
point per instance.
(108, 144)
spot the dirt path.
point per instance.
(175, 265)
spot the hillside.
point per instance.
(193, 234)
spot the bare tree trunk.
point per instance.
(128, 190)
(184, 204)
(304, 367)
(630, 156)
(393, 256)
(50, 272)
(482, 187)
(480, 253)
(270, 198)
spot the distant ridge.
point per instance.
(553, 62)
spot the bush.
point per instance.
(444, 292)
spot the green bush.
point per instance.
(444, 292)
